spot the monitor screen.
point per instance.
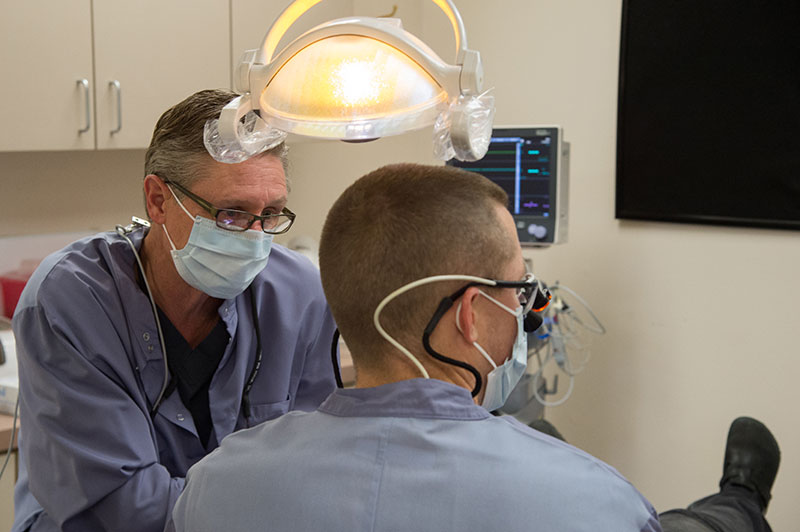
(708, 127)
(524, 161)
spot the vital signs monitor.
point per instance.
(531, 164)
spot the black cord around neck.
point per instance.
(444, 306)
(256, 364)
(335, 360)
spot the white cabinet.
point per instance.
(160, 51)
(138, 58)
(47, 48)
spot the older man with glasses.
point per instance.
(141, 349)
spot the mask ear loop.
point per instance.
(477, 346)
(180, 202)
(171, 243)
(481, 350)
(508, 309)
(164, 226)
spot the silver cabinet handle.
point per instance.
(84, 84)
(116, 86)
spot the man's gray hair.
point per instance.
(177, 151)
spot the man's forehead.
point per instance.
(259, 176)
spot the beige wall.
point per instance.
(57, 192)
(322, 170)
(700, 319)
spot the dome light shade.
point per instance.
(354, 78)
(351, 87)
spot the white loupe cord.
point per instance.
(411, 286)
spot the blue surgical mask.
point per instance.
(502, 379)
(218, 262)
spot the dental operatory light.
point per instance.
(354, 79)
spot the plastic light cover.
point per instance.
(351, 87)
(255, 136)
(464, 129)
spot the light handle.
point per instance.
(296, 9)
(230, 116)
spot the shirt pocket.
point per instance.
(266, 411)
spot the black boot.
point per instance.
(751, 458)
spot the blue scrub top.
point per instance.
(91, 367)
(411, 455)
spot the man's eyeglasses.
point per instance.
(531, 295)
(235, 220)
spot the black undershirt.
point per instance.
(191, 370)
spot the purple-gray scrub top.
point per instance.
(91, 366)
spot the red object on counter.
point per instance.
(11, 285)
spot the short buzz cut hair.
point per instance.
(396, 225)
(177, 151)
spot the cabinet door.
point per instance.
(47, 48)
(159, 51)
